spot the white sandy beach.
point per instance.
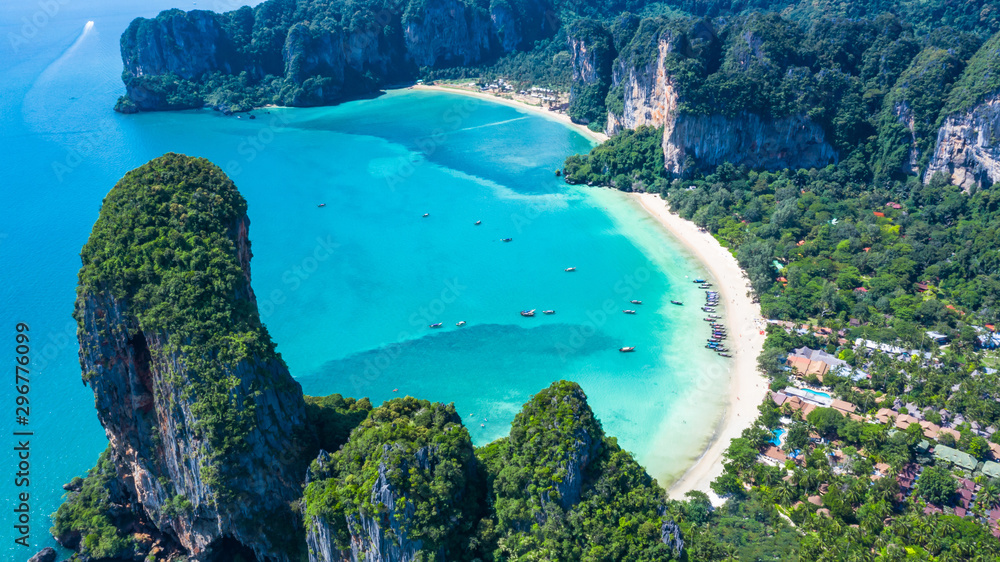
(555, 116)
(747, 387)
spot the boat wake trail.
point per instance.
(492, 124)
(34, 110)
(53, 68)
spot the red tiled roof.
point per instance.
(775, 453)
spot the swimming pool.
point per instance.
(777, 436)
(817, 393)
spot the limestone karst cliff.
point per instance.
(968, 146)
(312, 53)
(557, 465)
(406, 485)
(210, 438)
(591, 55)
(653, 81)
(202, 416)
(968, 142)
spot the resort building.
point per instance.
(937, 337)
(945, 454)
(814, 362)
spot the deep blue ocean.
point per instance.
(347, 290)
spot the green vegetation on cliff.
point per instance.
(980, 79)
(409, 455)
(89, 518)
(166, 243)
(596, 53)
(332, 418)
(875, 85)
(561, 490)
(629, 161)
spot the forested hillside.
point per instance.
(319, 52)
(883, 259)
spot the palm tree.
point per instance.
(786, 493)
(988, 497)
(856, 493)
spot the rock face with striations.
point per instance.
(591, 54)
(306, 54)
(968, 146)
(448, 33)
(968, 141)
(404, 487)
(201, 413)
(748, 139)
(649, 96)
(648, 92)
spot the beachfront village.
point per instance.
(533, 95)
(854, 433)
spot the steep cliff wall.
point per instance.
(326, 52)
(202, 416)
(592, 52)
(907, 125)
(448, 33)
(663, 78)
(650, 97)
(968, 142)
(186, 44)
(648, 93)
(968, 146)
(748, 139)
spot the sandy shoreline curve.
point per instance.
(555, 116)
(747, 387)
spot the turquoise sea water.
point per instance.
(349, 290)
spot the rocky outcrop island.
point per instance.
(215, 454)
